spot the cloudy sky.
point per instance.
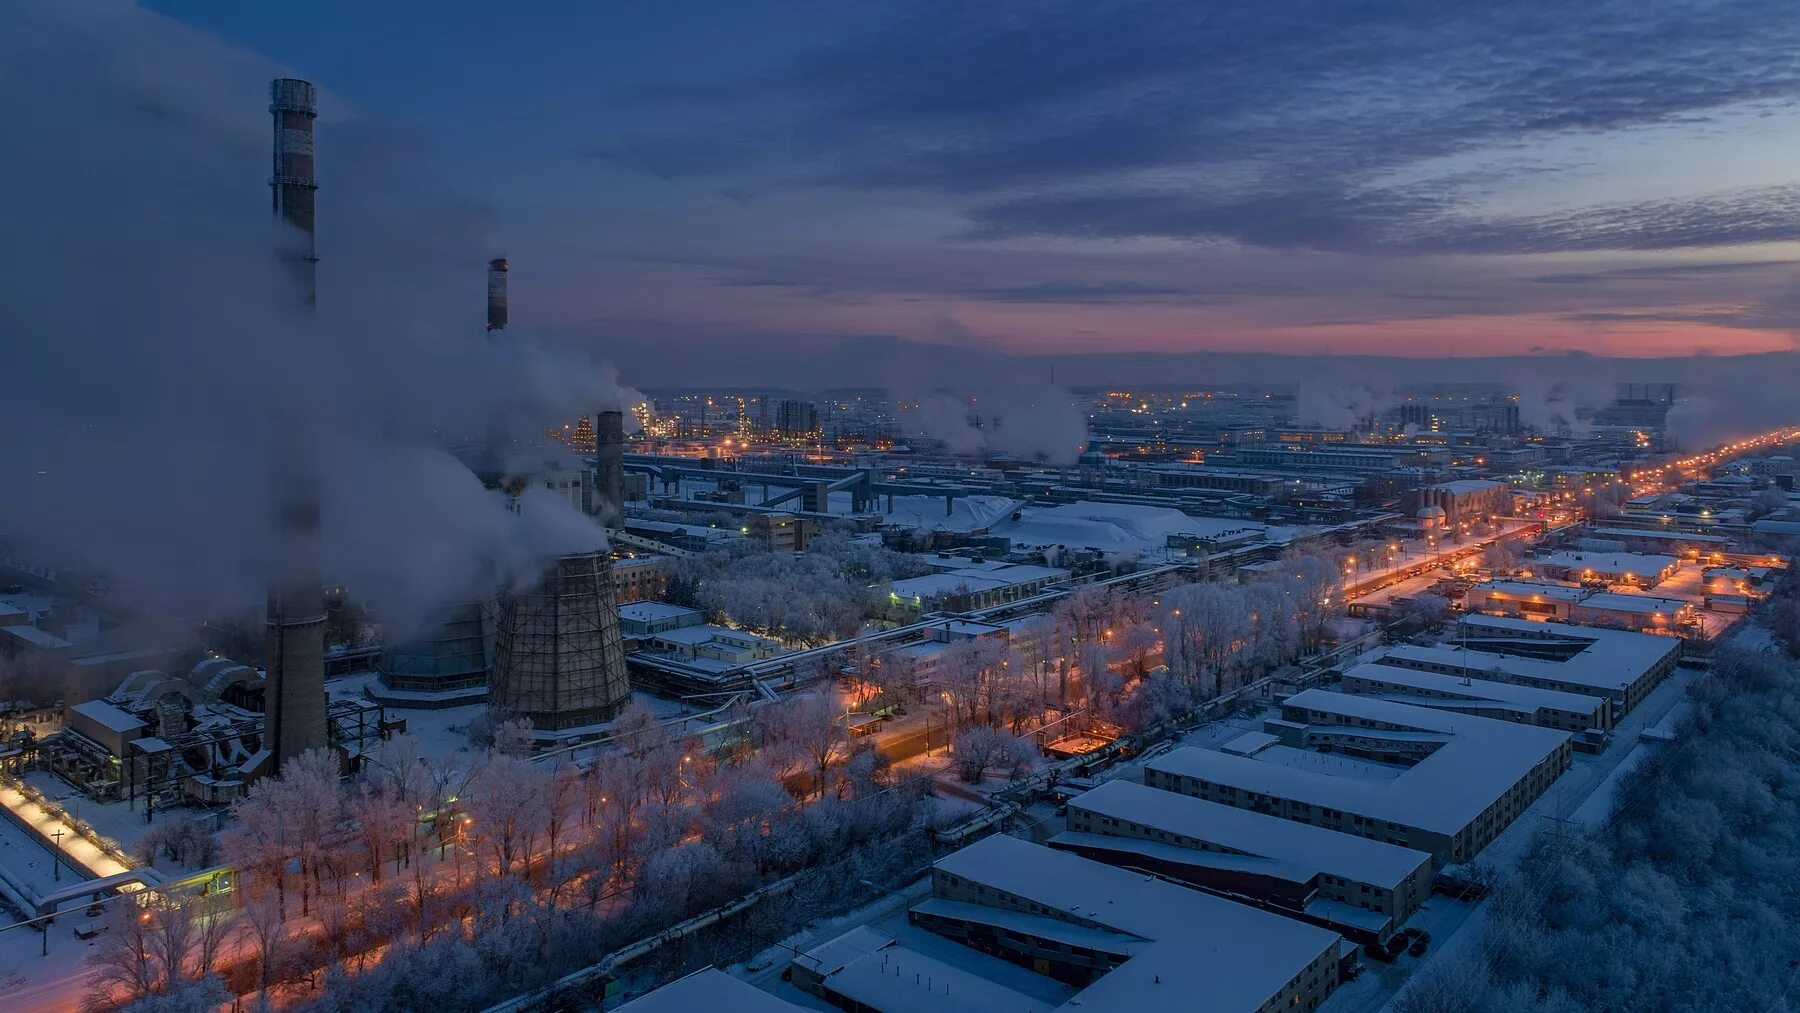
(746, 181)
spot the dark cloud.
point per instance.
(1274, 125)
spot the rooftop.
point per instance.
(1634, 563)
(711, 989)
(108, 716)
(1238, 957)
(1301, 850)
(1476, 689)
(1645, 604)
(1478, 760)
(1534, 589)
(654, 611)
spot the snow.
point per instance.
(709, 989)
(1479, 761)
(967, 513)
(1114, 527)
(1298, 850)
(1238, 957)
(108, 716)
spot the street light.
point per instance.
(56, 856)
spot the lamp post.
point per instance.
(56, 856)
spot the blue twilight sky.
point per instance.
(742, 179)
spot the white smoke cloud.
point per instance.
(1034, 422)
(152, 334)
(1337, 402)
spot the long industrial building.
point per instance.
(1413, 777)
(1619, 664)
(1361, 888)
(1575, 713)
(1138, 943)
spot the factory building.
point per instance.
(1412, 777)
(1586, 716)
(1464, 501)
(1361, 888)
(975, 587)
(709, 991)
(1621, 665)
(1135, 942)
(1609, 567)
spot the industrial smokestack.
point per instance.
(294, 627)
(293, 190)
(609, 458)
(496, 306)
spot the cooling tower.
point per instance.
(558, 657)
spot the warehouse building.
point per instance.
(1587, 716)
(1361, 888)
(1620, 664)
(710, 989)
(1136, 942)
(1413, 777)
(1612, 567)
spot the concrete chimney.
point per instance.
(293, 191)
(496, 294)
(294, 626)
(609, 458)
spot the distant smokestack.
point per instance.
(496, 317)
(294, 627)
(609, 458)
(293, 190)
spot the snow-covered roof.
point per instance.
(43, 640)
(1115, 527)
(1637, 604)
(1634, 563)
(939, 585)
(1294, 851)
(1533, 589)
(108, 716)
(870, 969)
(1237, 957)
(1529, 697)
(654, 611)
(709, 990)
(1644, 534)
(966, 513)
(1468, 485)
(1477, 761)
(1611, 658)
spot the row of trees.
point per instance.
(1127, 660)
(494, 873)
(1683, 901)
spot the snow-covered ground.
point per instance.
(1119, 527)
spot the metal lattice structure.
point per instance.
(559, 659)
(454, 651)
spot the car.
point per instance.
(1417, 949)
(1375, 951)
(1411, 933)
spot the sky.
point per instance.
(709, 190)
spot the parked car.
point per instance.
(1417, 949)
(1376, 951)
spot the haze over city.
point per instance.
(899, 507)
